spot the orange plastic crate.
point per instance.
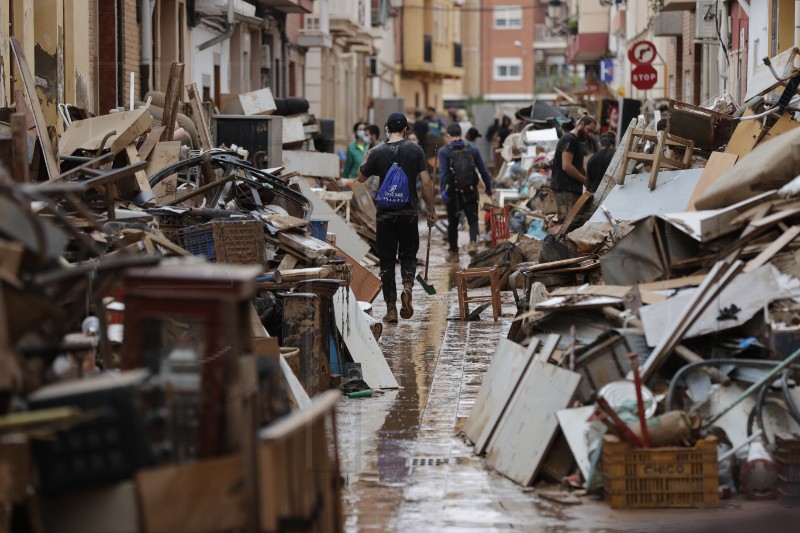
(660, 477)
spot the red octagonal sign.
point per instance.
(644, 77)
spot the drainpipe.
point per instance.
(796, 29)
(224, 36)
(146, 15)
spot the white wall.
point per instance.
(758, 38)
(203, 61)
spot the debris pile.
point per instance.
(660, 338)
(167, 307)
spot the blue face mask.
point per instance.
(363, 135)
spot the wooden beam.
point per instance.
(171, 100)
(142, 182)
(50, 161)
(772, 249)
(19, 149)
(199, 117)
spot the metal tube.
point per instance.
(754, 387)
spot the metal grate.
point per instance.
(429, 461)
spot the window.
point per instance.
(508, 69)
(508, 17)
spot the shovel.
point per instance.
(430, 289)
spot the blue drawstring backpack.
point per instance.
(393, 193)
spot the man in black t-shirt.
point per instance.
(598, 163)
(396, 229)
(568, 174)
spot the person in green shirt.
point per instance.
(355, 152)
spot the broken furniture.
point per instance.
(464, 299)
(499, 224)
(658, 158)
(708, 129)
(189, 324)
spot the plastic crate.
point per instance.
(787, 459)
(227, 241)
(660, 477)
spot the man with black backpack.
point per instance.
(397, 163)
(459, 165)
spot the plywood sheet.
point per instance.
(89, 134)
(744, 136)
(718, 164)
(365, 284)
(360, 342)
(749, 291)
(634, 200)
(508, 364)
(312, 164)
(205, 496)
(526, 431)
(346, 237)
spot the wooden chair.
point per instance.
(463, 277)
(499, 218)
(657, 159)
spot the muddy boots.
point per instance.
(391, 313)
(406, 311)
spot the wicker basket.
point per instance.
(227, 241)
(660, 477)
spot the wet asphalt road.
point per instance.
(404, 464)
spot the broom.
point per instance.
(430, 289)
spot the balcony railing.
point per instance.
(458, 55)
(566, 82)
(427, 49)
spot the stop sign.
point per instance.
(644, 77)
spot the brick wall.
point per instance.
(131, 42)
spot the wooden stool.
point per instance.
(462, 278)
(499, 218)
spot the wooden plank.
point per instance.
(150, 142)
(140, 175)
(366, 285)
(775, 217)
(508, 364)
(744, 136)
(526, 431)
(50, 161)
(206, 496)
(19, 149)
(718, 164)
(585, 198)
(306, 246)
(313, 164)
(199, 117)
(360, 342)
(297, 394)
(171, 100)
(772, 249)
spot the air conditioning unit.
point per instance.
(706, 20)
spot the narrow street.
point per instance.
(406, 468)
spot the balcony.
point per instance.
(679, 5)
(668, 24)
(289, 6)
(350, 19)
(548, 77)
(545, 38)
(588, 48)
(315, 32)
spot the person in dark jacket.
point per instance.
(569, 176)
(466, 199)
(598, 163)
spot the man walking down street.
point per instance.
(568, 174)
(355, 152)
(598, 163)
(459, 165)
(397, 234)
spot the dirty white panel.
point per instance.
(360, 342)
(525, 434)
(346, 237)
(713, 223)
(634, 200)
(299, 395)
(508, 365)
(749, 291)
(574, 426)
(313, 164)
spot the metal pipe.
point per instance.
(146, 14)
(732, 451)
(224, 36)
(754, 387)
